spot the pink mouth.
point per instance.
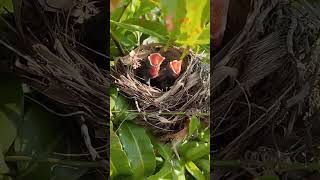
(156, 59)
(176, 67)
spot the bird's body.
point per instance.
(169, 72)
(151, 67)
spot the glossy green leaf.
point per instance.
(120, 107)
(163, 149)
(205, 135)
(119, 163)
(194, 150)
(130, 9)
(156, 27)
(178, 170)
(164, 173)
(113, 97)
(204, 165)
(139, 149)
(134, 28)
(193, 125)
(194, 171)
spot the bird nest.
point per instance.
(164, 110)
(265, 90)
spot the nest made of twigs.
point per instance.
(161, 110)
(264, 87)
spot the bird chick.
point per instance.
(153, 66)
(169, 73)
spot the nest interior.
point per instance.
(189, 93)
(265, 90)
(62, 73)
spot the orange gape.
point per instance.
(219, 13)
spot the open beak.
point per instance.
(155, 59)
(175, 67)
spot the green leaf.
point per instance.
(119, 164)
(6, 4)
(156, 27)
(194, 150)
(268, 175)
(205, 135)
(139, 149)
(193, 26)
(178, 170)
(113, 97)
(203, 164)
(193, 125)
(130, 10)
(164, 173)
(120, 107)
(8, 132)
(133, 28)
(67, 172)
(175, 9)
(194, 171)
(39, 137)
(3, 166)
(163, 149)
(11, 105)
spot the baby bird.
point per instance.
(169, 73)
(152, 67)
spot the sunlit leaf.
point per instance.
(147, 24)
(139, 149)
(203, 164)
(194, 150)
(192, 26)
(193, 125)
(164, 173)
(194, 171)
(174, 14)
(133, 28)
(178, 170)
(119, 163)
(130, 9)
